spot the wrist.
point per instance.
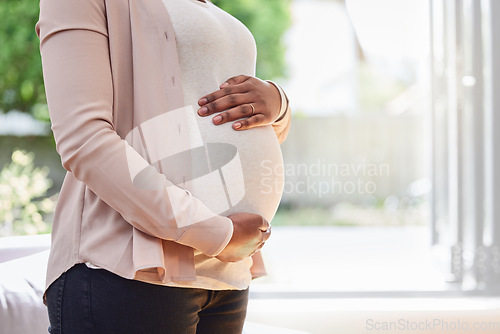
(284, 101)
(229, 236)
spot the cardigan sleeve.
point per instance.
(79, 88)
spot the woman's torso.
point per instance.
(243, 166)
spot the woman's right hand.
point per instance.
(250, 232)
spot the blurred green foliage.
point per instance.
(23, 209)
(268, 20)
(21, 80)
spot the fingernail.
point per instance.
(224, 85)
(237, 125)
(217, 119)
(203, 111)
(202, 101)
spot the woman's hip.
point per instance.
(85, 300)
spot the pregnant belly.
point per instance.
(229, 171)
(247, 169)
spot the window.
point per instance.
(390, 166)
(466, 77)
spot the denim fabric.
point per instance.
(85, 300)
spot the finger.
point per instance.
(239, 112)
(223, 103)
(218, 94)
(249, 123)
(214, 96)
(239, 84)
(228, 87)
(235, 80)
(260, 247)
(265, 225)
(266, 235)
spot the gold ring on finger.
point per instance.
(253, 109)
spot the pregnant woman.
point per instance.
(172, 150)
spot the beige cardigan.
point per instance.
(109, 66)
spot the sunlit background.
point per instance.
(387, 163)
(356, 155)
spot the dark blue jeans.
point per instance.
(85, 301)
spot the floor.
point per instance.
(378, 315)
(340, 259)
(352, 280)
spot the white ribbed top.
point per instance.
(214, 46)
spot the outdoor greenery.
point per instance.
(21, 81)
(23, 209)
(268, 21)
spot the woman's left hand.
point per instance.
(248, 100)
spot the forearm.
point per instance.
(79, 88)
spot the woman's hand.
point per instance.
(248, 100)
(250, 232)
